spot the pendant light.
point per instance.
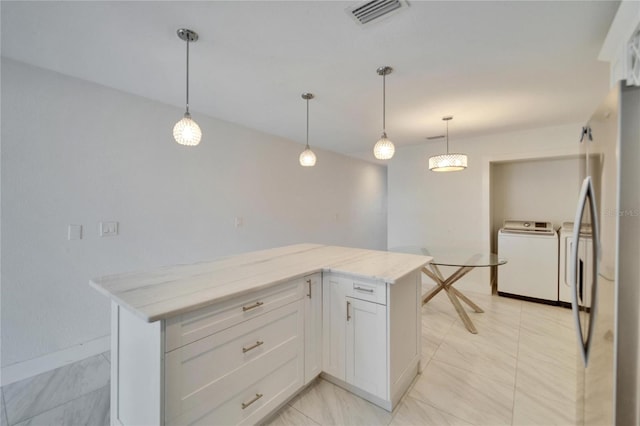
(384, 149)
(186, 131)
(448, 162)
(307, 158)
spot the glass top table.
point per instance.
(465, 261)
(454, 257)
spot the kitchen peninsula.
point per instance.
(230, 341)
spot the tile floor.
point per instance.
(76, 394)
(518, 370)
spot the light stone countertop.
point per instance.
(174, 290)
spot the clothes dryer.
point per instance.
(584, 253)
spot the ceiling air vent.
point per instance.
(365, 12)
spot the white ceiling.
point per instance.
(494, 66)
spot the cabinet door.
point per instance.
(333, 326)
(366, 349)
(312, 327)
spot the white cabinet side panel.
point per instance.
(115, 321)
(334, 314)
(404, 324)
(139, 370)
(313, 327)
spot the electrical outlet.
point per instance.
(239, 221)
(74, 232)
(108, 229)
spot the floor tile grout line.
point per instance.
(305, 415)
(439, 409)
(406, 394)
(59, 405)
(419, 375)
(439, 344)
(4, 404)
(515, 381)
(446, 335)
(482, 375)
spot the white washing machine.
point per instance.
(531, 250)
(566, 244)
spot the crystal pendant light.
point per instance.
(307, 158)
(186, 131)
(448, 162)
(384, 148)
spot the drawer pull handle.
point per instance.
(255, 345)
(309, 294)
(255, 305)
(369, 290)
(246, 404)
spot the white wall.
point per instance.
(542, 190)
(77, 153)
(449, 209)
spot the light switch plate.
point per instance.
(108, 229)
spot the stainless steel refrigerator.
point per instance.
(605, 268)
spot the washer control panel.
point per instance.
(528, 226)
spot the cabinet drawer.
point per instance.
(251, 404)
(366, 290)
(192, 326)
(210, 378)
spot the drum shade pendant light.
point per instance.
(186, 131)
(384, 148)
(307, 158)
(448, 162)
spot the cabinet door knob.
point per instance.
(348, 315)
(309, 284)
(248, 403)
(255, 305)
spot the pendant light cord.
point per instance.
(187, 74)
(307, 124)
(447, 137)
(384, 102)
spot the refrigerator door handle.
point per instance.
(586, 196)
(581, 280)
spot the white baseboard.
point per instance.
(22, 370)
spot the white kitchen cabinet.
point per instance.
(238, 375)
(312, 327)
(359, 351)
(355, 334)
(192, 326)
(229, 363)
(366, 346)
(230, 341)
